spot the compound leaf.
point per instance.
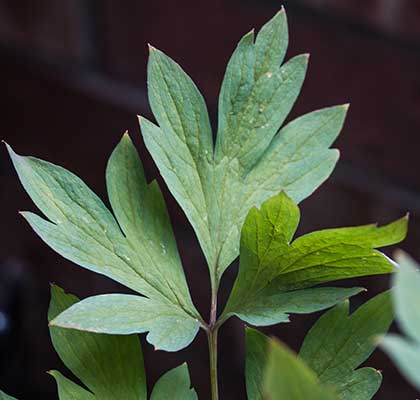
(123, 314)
(274, 372)
(253, 158)
(338, 343)
(110, 366)
(405, 351)
(80, 228)
(276, 272)
(174, 385)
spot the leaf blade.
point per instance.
(68, 390)
(405, 350)
(182, 145)
(122, 314)
(110, 366)
(274, 309)
(275, 372)
(338, 343)
(257, 350)
(175, 384)
(407, 293)
(141, 212)
(405, 355)
(83, 230)
(248, 165)
(273, 269)
(4, 396)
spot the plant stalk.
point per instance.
(212, 334)
(212, 339)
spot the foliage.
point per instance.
(275, 272)
(338, 343)
(333, 348)
(110, 366)
(252, 159)
(143, 256)
(405, 351)
(275, 372)
(240, 194)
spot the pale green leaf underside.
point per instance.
(405, 351)
(110, 366)
(122, 314)
(174, 385)
(274, 372)
(253, 159)
(275, 271)
(338, 343)
(144, 257)
(407, 296)
(4, 396)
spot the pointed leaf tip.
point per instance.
(10, 150)
(249, 36)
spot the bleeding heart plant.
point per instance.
(240, 194)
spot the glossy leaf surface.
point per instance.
(276, 271)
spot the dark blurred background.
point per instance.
(72, 78)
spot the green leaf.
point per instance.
(80, 228)
(68, 390)
(253, 158)
(122, 314)
(406, 356)
(338, 343)
(257, 349)
(273, 308)
(4, 396)
(174, 385)
(110, 366)
(407, 296)
(275, 271)
(405, 351)
(274, 372)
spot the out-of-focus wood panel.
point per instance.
(397, 17)
(58, 28)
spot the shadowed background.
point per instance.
(72, 78)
